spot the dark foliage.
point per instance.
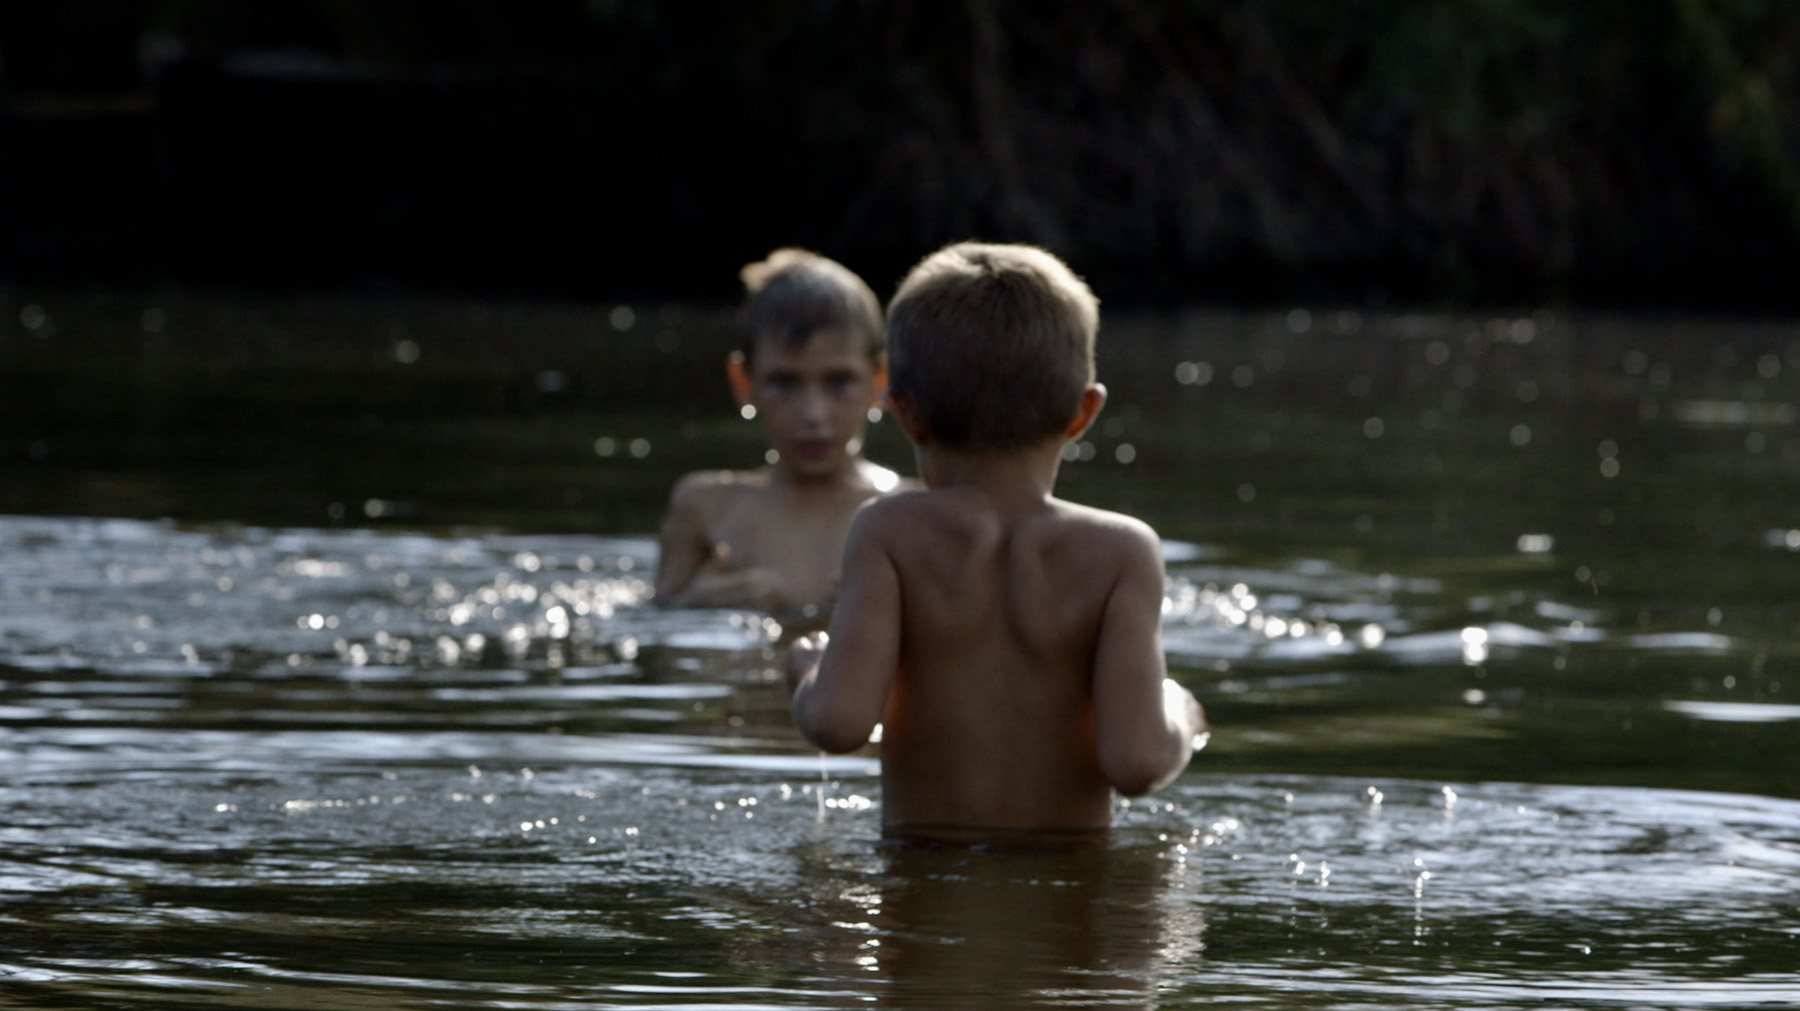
(1624, 151)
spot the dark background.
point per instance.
(1627, 153)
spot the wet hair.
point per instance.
(991, 345)
(792, 294)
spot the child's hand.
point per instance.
(803, 658)
(722, 582)
(1181, 705)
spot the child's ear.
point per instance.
(738, 371)
(881, 384)
(1092, 399)
(906, 418)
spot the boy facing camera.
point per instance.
(812, 367)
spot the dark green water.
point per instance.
(326, 678)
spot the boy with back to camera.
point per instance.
(811, 367)
(1008, 642)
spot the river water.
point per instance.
(327, 678)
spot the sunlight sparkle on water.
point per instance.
(1536, 544)
(1734, 712)
(180, 718)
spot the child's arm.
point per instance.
(1145, 724)
(693, 571)
(839, 700)
(682, 546)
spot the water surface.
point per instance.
(1495, 618)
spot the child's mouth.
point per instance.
(813, 449)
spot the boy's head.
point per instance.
(792, 294)
(991, 347)
(812, 364)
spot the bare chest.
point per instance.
(802, 540)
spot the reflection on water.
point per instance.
(279, 768)
(1083, 924)
(1495, 619)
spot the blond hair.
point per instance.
(992, 345)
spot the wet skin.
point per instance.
(771, 538)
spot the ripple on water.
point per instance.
(591, 802)
(1323, 890)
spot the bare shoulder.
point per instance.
(1083, 525)
(895, 512)
(874, 479)
(703, 482)
(1100, 548)
(706, 490)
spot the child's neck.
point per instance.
(1026, 476)
(805, 484)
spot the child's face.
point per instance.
(814, 400)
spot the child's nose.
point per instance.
(814, 404)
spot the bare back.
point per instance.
(1026, 646)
